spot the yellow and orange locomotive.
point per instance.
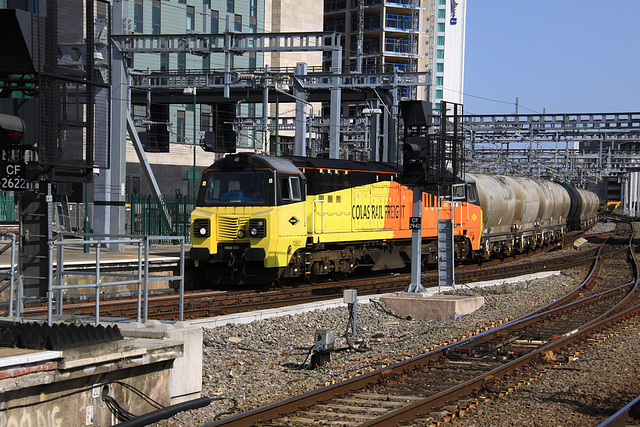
(260, 219)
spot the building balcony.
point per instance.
(400, 47)
(403, 23)
(404, 4)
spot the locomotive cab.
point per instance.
(250, 217)
(466, 192)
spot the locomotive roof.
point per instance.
(351, 165)
(292, 164)
(242, 161)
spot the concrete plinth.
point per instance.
(580, 242)
(186, 373)
(420, 306)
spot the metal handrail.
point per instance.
(313, 217)
(11, 273)
(57, 272)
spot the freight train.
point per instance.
(262, 219)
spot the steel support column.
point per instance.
(301, 112)
(109, 187)
(336, 101)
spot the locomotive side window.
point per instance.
(472, 194)
(290, 189)
(457, 192)
(285, 191)
(295, 188)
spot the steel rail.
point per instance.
(440, 399)
(634, 291)
(631, 412)
(277, 409)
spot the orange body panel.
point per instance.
(467, 218)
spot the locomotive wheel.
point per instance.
(312, 279)
(338, 276)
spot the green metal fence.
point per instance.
(7, 208)
(147, 217)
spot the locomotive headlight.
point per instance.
(201, 227)
(257, 227)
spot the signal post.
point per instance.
(432, 163)
(415, 224)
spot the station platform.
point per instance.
(75, 255)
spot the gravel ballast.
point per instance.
(258, 363)
(264, 361)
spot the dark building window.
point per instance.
(191, 18)
(155, 17)
(180, 123)
(214, 22)
(164, 62)
(137, 16)
(26, 5)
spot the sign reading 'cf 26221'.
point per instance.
(13, 176)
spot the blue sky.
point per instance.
(565, 56)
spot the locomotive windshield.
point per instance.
(231, 188)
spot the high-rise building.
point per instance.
(405, 35)
(451, 26)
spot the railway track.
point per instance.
(202, 304)
(438, 385)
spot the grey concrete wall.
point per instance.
(67, 390)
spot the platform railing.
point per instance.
(98, 245)
(9, 273)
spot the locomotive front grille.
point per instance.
(231, 228)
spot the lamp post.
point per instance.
(192, 91)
